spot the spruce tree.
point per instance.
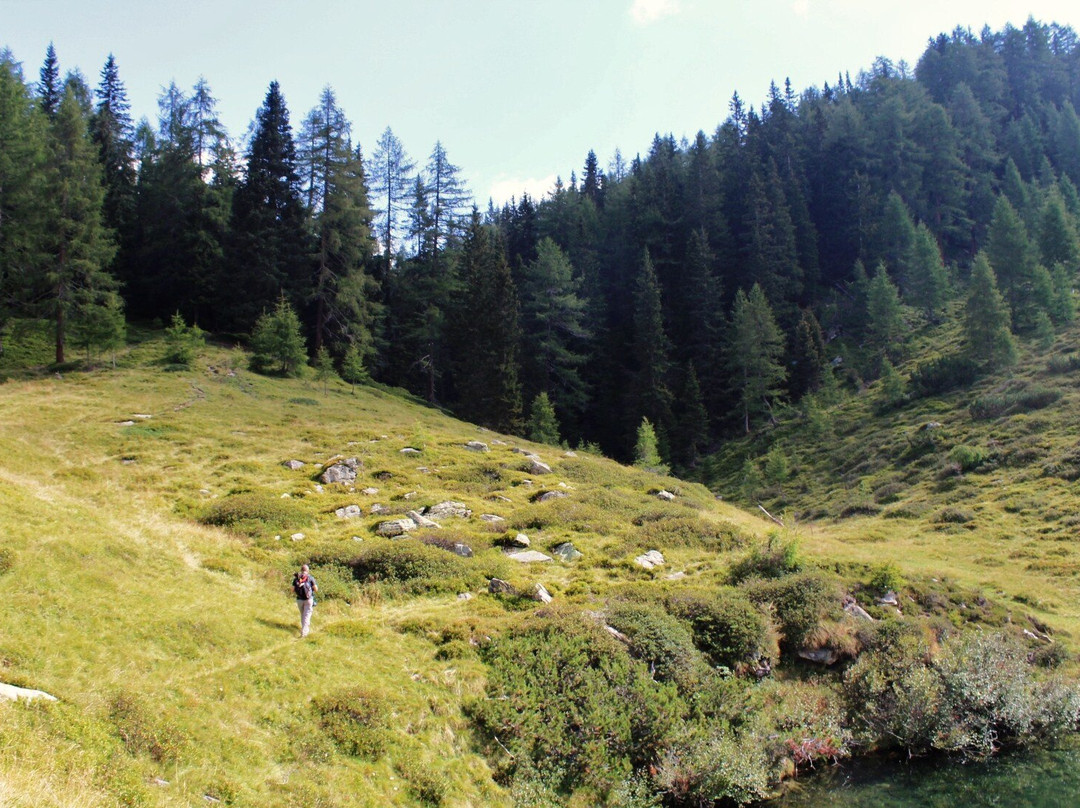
(487, 333)
(691, 430)
(897, 239)
(113, 132)
(50, 90)
(807, 356)
(553, 331)
(649, 394)
(77, 242)
(269, 250)
(276, 342)
(23, 207)
(754, 354)
(986, 318)
(543, 422)
(1058, 240)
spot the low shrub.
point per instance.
(942, 375)
(552, 707)
(953, 516)
(968, 458)
(427, 786)
(1026, 400)
(142, 730)
(800, 603)
(685, 531)
(773, 559)
(659, 640)
(726, 626)
(1058, 364)
(415, 567)
(255, 514)
(7, 559)
(356, 719)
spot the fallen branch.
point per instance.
(770, 515)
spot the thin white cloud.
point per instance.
(506, 187)
(646, 12)
(801, 8)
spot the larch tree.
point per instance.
(1009, 251)
(391, 182)
(986, 318)
(884, 316)
(928, 281)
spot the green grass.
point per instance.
(156, 558)
(997, 475)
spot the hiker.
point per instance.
(304, 587)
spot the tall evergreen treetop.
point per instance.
(49, 88)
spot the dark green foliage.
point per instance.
(543, 423)
(968, 458)
(182, 342)
(987, 319)
(357, 720)
(800, 602)
(276, 343)
(942, 375)
(754, 354)
(7, 560)
(659, 640)
(549, 702)
(726, 626)
(426, 785)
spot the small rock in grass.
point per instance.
(520, 540)
(666, 496)
(293, 465)
(649, 560)
(541, 595)
(536, 466)
(395, 527)
(550, 495)
(370, 491)
(497, 586)
(465, 596)
(567, 552)
(529, 557)
(490, 517)
(349, 512)
(408, 450)
(297, 536)
(477, 446)
(422, 521)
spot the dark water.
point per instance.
(1042, 779)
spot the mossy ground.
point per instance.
(172, 644)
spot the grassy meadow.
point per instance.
(172, 643)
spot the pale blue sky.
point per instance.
(517, 90)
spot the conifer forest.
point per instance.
(698, 285)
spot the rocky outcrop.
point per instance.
(422, 521)
(567, 552)
(348, 512)
(344, 472)
(536, 466)
(477, 446)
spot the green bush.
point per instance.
(885, 577)
(566, 701)
(356, 719)
(968, 458)
(773, 559)
(255, 514)
(800, 601)
(726, 626)
(998, 404)
(7, 559)
(937, 376)
(416, 568)
(659, 640)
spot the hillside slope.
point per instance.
(171, 642)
